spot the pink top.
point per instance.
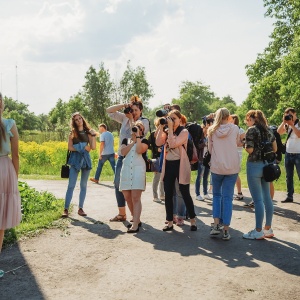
(222, 146)
(175, 141)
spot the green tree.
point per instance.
(274, 75)
(134, 82)
(195, 100)
(97, 94)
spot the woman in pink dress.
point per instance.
(10, 201)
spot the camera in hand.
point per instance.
(206, 120)
(134, 129)
(163, 121)
(161, 113)
(288, 117)
(128, 110)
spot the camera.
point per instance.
(288, 117)
(135, 129)
(128, 110)
(163, 121)
(162, 112)
(207, 120)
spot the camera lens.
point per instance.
(288, 118)
(162, 112)
(134, 129)
(162, 121)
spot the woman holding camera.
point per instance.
(259, 188)
(82, 140)
(176, 165)
(132, 113)
(133, 172)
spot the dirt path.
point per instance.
(94, 260)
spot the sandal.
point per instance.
(118, 218)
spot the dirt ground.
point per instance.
(91, 258)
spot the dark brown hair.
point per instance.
(74, 127)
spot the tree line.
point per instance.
(274, 80)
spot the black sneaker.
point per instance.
(287, 200)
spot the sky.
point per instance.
(46, 47)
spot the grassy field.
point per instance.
(44, 161)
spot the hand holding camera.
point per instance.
(128, 109)
(288, 119)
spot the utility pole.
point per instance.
(16, 82)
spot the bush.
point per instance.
(39, 210)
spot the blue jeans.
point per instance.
(119, 195)
(72, 182)
(206, 172)
(198, 179)
(101, 162)
(260, 192)
(222, 196)
(291, 161)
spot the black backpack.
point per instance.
(271, 172)
(266, 147)
(190, 144)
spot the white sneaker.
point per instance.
(199, 197)
(254, 235)
(216, 230)
(207, 197)
(268, 233)
(156, 200)
(226, 236)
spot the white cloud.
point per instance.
(55, 42)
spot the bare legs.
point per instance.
(133, 199)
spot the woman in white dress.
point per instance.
(133, 172)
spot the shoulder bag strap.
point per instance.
(68, 156)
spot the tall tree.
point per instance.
(134, 82)
(195, 100)
(272, 70)
(97, 94)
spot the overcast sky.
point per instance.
(53, 43)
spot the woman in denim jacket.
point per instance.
(81, 141)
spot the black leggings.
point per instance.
(171, 173)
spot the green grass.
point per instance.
(39, 211)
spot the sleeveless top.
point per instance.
(8, 124)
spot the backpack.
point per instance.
(191, 149)
(266, 148)
(280, 146)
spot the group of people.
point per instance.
(222, 137)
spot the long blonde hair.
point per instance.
(2, 130)
(221, 114)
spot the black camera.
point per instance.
(128, 110)
(161, 113)
(163, 121)
(206, 120)
(135, 128)
(288, 117)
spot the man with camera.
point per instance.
(290, 125)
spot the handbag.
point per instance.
(65, 169)
(271, 172)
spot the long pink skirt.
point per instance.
(10, 200)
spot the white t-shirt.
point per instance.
(293, 143)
